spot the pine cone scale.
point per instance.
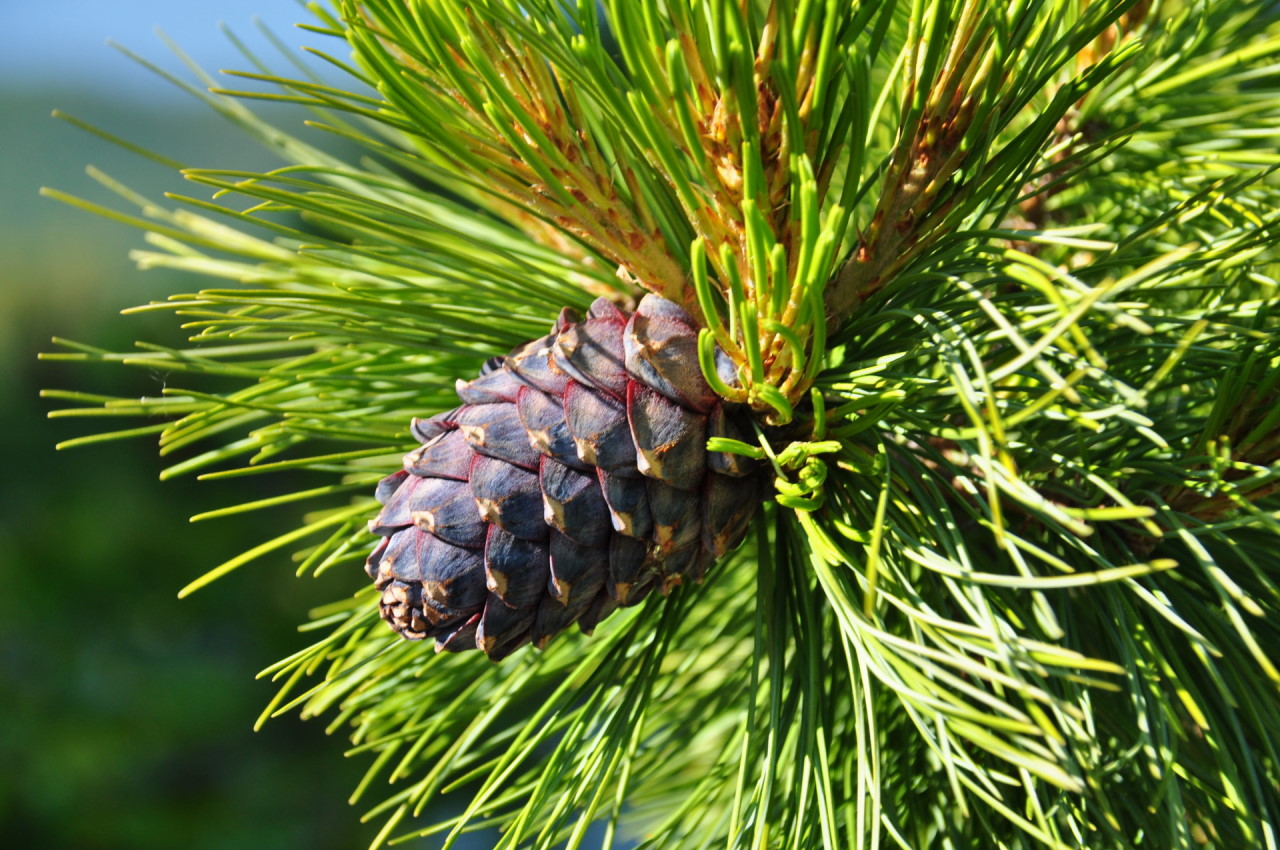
(670, 440)
(444, 456)
(573, 504)
(451, 514)
(628, 503)
(544, 420)
(516, 571)
(600, 430)
(495, 430)
(661, 349)
(508, 496)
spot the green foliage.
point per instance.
(1020, 586)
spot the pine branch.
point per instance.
(995, 283)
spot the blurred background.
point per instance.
(126, 714)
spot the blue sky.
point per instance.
(62, 43)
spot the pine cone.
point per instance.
(573, 479)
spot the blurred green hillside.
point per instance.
(126, 712)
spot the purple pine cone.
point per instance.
(573, 479)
